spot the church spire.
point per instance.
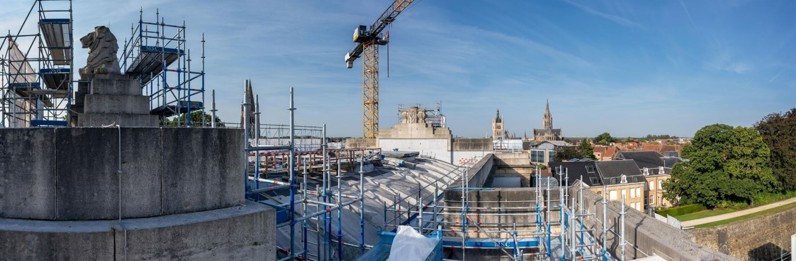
(548, 118)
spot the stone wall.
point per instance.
(760, 238)
(644, 234)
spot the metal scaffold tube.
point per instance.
(292, 173)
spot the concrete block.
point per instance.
(125, 120)
(27, 173)
(116, 86)
(244, 232)
(204, 169)
(87, 182)
(142, 168)
(55, 240)
(124, 104)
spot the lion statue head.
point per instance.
(102, 47)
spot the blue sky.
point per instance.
(630, 68)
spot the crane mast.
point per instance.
(368, 40)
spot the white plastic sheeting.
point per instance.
(409, 245)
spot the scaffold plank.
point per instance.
(56, 34)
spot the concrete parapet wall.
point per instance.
(360, 143)
(645, 234)
(761, 238)
(243, 232)
(470, 144)
(72, 173)
(479, 173)
(494, 210)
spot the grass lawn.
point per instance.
(762, 199)
(705, 213)
(750, 216)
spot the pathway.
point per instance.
(695, 222)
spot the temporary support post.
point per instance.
(549, 241)
(464, 213)
(339, 213)
(561, 218)
(292, 174)
(362, 205)
(622, 228)
(256, 144)
(580, 213)
(605, 225)
(324, 189)
(304, 206)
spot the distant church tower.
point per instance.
(498, 131)
(547, 132)
(548, 118)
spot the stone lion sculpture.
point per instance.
(102, 52)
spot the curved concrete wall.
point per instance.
(71, 173)
(237, 233)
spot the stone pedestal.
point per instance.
(112, 99)
(129, 194)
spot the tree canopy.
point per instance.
(779, 133)
(583, 150)
(725, 164)
(196, 120)
(604, 138)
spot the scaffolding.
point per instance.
(158, 56)
(556, 232)
(306, 210)
(36, 67)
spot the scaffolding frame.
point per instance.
(317, 205)
(157, 55)
(562, 238)
(37, 68)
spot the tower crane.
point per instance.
(368, 40)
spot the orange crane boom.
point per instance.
(367, 41)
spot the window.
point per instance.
(632, 193)
(652, 200)
(660, 184)
(638, 192)
(612, 194)
(552, 155)
(537, 156)
(624, 193)
(651, 186)
(589, 169)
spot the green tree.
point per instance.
(196, 120)
(566, 153)
(604, 138)
(725, 164)
(779, 133)
(585, 149)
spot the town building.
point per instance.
(617, 178)
(545, 152)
